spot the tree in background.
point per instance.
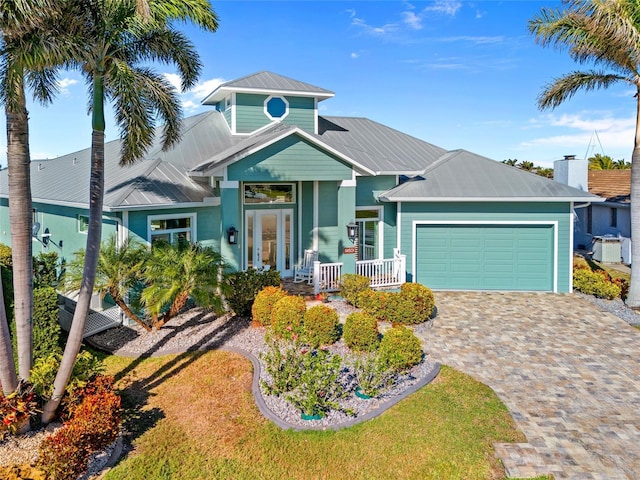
(605, 162)
(605, 34)
(529, 167)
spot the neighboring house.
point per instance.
(599, 221)
(262, 176)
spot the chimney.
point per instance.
(572, 172)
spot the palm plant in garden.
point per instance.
(606, 34)
(176, 273)
(113, 42)
(120, 268)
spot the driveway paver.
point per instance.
(568, 373)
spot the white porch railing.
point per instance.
(389, 272)
(326, 277)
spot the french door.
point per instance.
(269, 240)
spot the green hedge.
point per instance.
(594, 283)
(244, 286)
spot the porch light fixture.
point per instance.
(232, 235)
(352, 231)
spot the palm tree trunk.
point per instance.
(633, 298)
(20, 218)
(94, 237)
(177, 305)
(127, 311)
(8, 377)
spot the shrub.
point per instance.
(5, 256)
(594, 283)
(399, 349)
(321, 326)
(44, 372)
(287, 316)
(283, 362)
(44, 270)
(361, 332)
(94, 425)
(244, 286)
(372, 377)
(263, 304)
(352, 286)
(46, 327)
(413, 304)
(17, 407)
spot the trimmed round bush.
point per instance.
(360, 332)
(352, 286)
(287, 316)
(421, 299)
(400, 349)
(263, 304)
(5, 256)
(321, 326)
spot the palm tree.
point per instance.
(112, 42)
(601, 162)
(8, 377)
(120, 268)
(605, 33)
(26, 53)
(176, 273)
(512, 162)
(525, 165)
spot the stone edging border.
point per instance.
(266, 411)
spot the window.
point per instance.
(83, 223)
(614, 217)
(368, 221)
(276, 108)
(269, 193)
(174, 230)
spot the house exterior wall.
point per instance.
(250, 115)
(493, 212)
(367, 189)
(63, 224)
(290, 159)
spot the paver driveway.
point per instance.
(569, 374)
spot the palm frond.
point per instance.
(198, 12)
(566, 86)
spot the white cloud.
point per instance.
(65, 83)
(480, 13)
(355, 54)
(445, 7)
(192, 98)
(480, 40)
(370, 29)
(412, 20)
(577, 130)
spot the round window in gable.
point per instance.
(276, 108)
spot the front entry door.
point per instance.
(269, 240)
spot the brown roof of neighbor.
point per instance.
(614, 185)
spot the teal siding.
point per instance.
(290, 159)
(492, 212)
(207, 223)
(367, 189)
(231, 215)
(250, 115)
(306, 197)
(227, 116)
(390, 230)
(485, 257)
(346, 213)
(328, 224)
(250, 112)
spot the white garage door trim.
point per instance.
(553, 224)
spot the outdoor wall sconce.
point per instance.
(46, 236)
(352, 231)
(232, 235)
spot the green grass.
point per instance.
(193, 417)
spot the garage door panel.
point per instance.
(485, 257)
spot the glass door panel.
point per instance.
(267, 253)
(269, 240)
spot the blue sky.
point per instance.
(456, 74)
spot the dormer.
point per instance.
(255, 101)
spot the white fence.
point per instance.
(388, 272)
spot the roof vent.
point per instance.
(40, 167)
(569, 157)
(75, 161)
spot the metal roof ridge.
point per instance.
(128, 190)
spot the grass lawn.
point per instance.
(193, 416)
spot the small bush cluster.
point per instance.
(263, 304)
(361, 332)
(372, 376)
(598, 283)
(244, 286)
(413, 304)
(400, 349)
(321, 326)
(45, 369)
(287, 316)
(5, 256)
(352, 286)
(17, 407)
(46, 327)
(45, 272)
(94, 425)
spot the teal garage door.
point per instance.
(485, 257)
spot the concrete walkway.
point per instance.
(568, 373)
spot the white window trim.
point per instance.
(84, 232)
(553, 224)
(170, 216)
(286, 108)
